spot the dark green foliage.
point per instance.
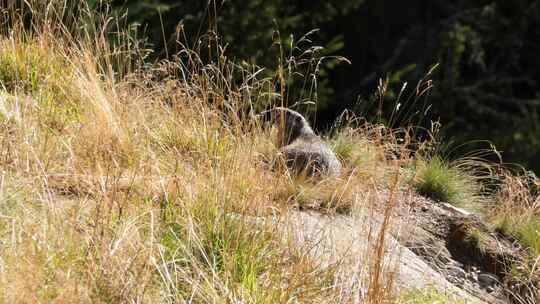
(270, 34)
(486, 86)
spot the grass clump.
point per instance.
(476, 238)
(441, 180)
(328, 196)
(516, 210)
(524, 229)
(355, 149)
(214, 247)
(528, 233)
(30, 69)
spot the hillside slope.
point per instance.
(123, 181)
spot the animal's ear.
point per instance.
(268, 116)
(264, 116)
(277, 116)
(294, 121)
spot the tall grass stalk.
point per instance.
(123, 180)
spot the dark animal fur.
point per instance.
(303, 151)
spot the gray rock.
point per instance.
(344, 241)
(456, 274)
(488, 281)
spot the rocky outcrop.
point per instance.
(427, 246)
(349, 243)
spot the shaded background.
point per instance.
(487, 84)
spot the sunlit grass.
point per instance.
(517, 210)
(524, 228)
(443, 181)
(116, 186)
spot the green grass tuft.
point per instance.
(354, 150)
(209, 243)
(439, 180)
(477, 239)
(526, 230)
(30, 70)
(529, 234)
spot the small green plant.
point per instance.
(429, 295)
(343, 148)
(439, 180)
(35, 73)
(29, 68)
(526, 230)
(353, 149)
(222, 249)
(476, 238)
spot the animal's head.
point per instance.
(291, 124)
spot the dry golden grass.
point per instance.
(117, 187)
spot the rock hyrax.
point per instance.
(302, 150)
